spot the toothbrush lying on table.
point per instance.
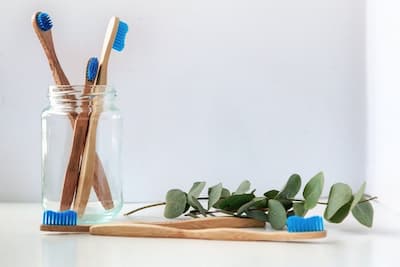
(66, 221)
(42, 25)
(115, 38)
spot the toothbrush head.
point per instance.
(68, 217)
(44, 22)
(119, 41)
(91, 69)
(300, 224)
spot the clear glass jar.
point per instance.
(81, 152)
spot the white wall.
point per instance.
(211, 90)
(384, 99)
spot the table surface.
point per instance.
(347, 244)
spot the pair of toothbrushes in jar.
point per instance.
(84, 168)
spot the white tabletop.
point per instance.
(347, 244)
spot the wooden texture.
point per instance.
(88, 165)
(201, 223)
(70, 179)
(212, 222)
(232, 234)
(65, 228)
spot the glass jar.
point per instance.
(81, 152)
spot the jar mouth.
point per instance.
(81, 90)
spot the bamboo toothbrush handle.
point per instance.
(202, 223)
(72, 171)
(212, 222)
(233, 234)
(71, 178)
(88, 165)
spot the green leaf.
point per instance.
(175, 203)
(299, 209)
(195, 191)
(257, 214)
(224, 194)
(312, 191)
(249, 204)
(271, 194)
(358, 196)
(340, 214)
(214, 194)
(187, 207)
(234, 202)
(339, 195)
(243, 188)
(364, 213)
(291, 188)
(276, 214)
(197, 205)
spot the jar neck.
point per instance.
(77, 98)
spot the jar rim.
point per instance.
(55, 90)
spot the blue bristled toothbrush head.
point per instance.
(119, 41)
(68, 217)
(92, 68)
(300, 224)
(44, 22)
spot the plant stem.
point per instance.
(154, 205)
(145, 207)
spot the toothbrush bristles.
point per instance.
(44, 22)
(119, 41)
(92, 68)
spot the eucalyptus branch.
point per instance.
(273, 206)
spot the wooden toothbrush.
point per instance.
(201, 223)
(42, 25)
(232, 234)
(115, 37)
(100, 183)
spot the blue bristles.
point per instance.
(43, 20)
(300, 224)
(68, 217)
(119, 41)
(92, 67)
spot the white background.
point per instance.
(214, 90)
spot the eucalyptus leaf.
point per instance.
(339, 195)
(276, 214)
(340, 214)
(291, 188)
(244, 187)
(175, 203)
(234, 202)
(249, 204)
(358, 196)
(195, 191)
(271, 194)
(187, 207)
(214, 194)
(224, 194)
(198, 206)
(257, 214)
(299, 209)
(364, 213)
(313, 190)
